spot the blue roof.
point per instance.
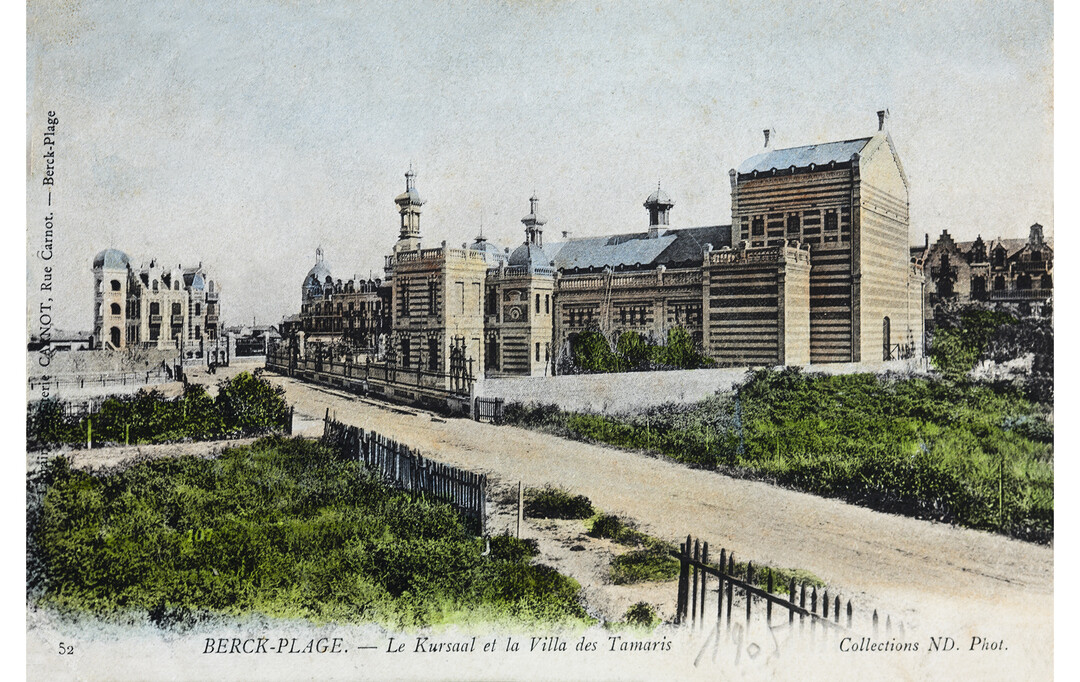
(801, 157)
(671, 248)
(113, 259)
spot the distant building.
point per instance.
(814, 268)
(153, 306)
(1017, 273)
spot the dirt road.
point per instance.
(897, 564)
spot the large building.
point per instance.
(813, 268)
(1016, 273)
(154, 306)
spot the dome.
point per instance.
(490, 250)
(659, 197)
(530, 254)
(317, 274)
(112, 259)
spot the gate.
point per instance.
(488, 410)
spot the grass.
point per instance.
(974, 454)
(556, 503)
(283, 529)
(651, 560)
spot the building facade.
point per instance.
(154, 306)
(814, 267)
(1017, 273)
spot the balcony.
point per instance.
(1021, 295)
(155, 319)
(178, 320)
(212, 319)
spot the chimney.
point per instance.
(768, 132)
(566, 234)
(882, 116)
(926, 245)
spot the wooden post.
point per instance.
(813, 607)
(127, 434)
(704, 560)
(731, 572)
(791, 600)
(849, 614)
(749, 581)
(694, 582)
(720, 589)
(89, 434)
(768, 602)
(520, 508)
(836, 610)
(875, 622)
(802, 604)
(684, 571)
(825, 606)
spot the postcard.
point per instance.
(539, 340)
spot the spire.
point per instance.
(409, 203)
(318, 255)
(658, 205)
(534, 233)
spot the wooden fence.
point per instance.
(818, 610)
(407, 469)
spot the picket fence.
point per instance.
(407, 469)
(815, 610)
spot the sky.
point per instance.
(244, 137)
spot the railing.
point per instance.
(694, 572)
(1021, 294)
(100, 380)
(407, 469)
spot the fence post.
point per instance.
(89, 430)
(520, 509)
(749, 582)
(802, 605)
(731, 572)
(875, 622)
(791, 600)
(704, 573)
(768, 602)
(720, 589)
(694, 582)
(849, 614)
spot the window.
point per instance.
(155, 308)
(198, 309)
(793, 226)
(175, 308)
(114, 308)
(115, 285)
(1023, 282)
(433, 354)
(1046, 282)
(538, 304)
(155, 332)
(830, 221)
(999, 283)
(538, 352)
(547, 304)
(431, 298)
(198, 332)
(155, 286)
(757, 227)
(405, 348)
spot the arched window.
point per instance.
(155, 285)
(115, 284)
(114, 308)
(1023, 282)
(114, 336)
(978, 288)
(999, 283)
(1046, 282)
(155, 308)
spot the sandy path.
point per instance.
(897, 564)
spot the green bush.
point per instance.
(976, 454)
(606, 526)
(653, 564)
(245, 405)
(555, 503)
(281, 529)
(642, 615)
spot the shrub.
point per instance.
(555, 503)
(508, 548)
(641, 614)
(251, 405)
(653, 564)
(281, 528)
(606, 526)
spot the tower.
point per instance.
(658, 205)
(409, 203)
(110, 299)
(534, 224)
